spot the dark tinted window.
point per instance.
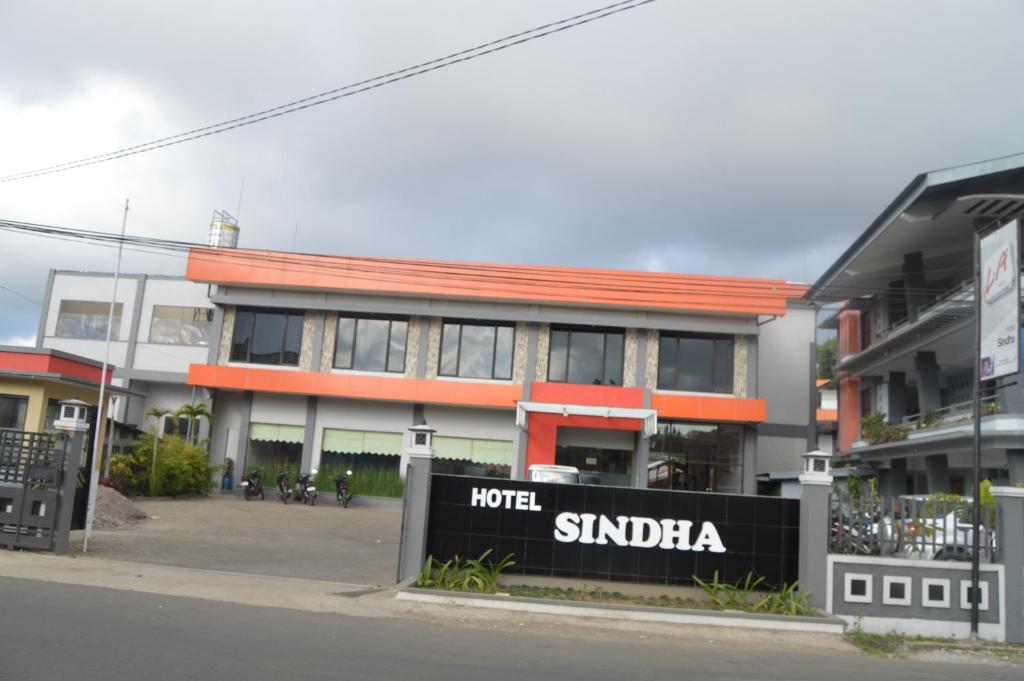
(477, 350)
(371, 344)
(695, 363)
(267, 337)
(586, 356)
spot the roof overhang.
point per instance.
(936, 214)
(649, 417)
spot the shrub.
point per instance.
(876, 431)
(462, 574)
(181, 467)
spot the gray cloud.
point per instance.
(754, 138)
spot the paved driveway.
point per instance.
(358, 545)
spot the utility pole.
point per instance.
(94, 475)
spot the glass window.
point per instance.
(695, 363)
(477, 350)
(87, 319)
(371, 344)
(585, 356)
(181, 325)
(12, 411)
(267, 337)
(698, 457)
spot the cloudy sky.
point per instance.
(755, 138)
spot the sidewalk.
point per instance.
(357, 600)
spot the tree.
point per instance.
(192, 412)
(827, 358)
(158, 413)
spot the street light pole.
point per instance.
(97, 453)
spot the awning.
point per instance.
(648, 416)
(472, 449)
(272, 432)
(342, 441)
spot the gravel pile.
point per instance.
(114, 511)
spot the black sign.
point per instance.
(614, 533)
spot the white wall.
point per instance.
(487, 424)
(382, 417)
(286, 410)
(163, 356)
(71, 286)
(166, 357)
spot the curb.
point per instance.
(741, 620)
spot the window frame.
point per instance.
(286, 312)
(604, 331)
(21, 401)
(494, 349)
(387, 343)
(153, 319)
(716, 353)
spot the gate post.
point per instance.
(73, 424)
(412, 548)
(815, 488)
(1010, 552)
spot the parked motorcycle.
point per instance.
(305, 489)
(341, 489)
(282, 487)
(252, 485)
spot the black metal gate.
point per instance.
(31, 474)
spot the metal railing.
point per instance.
(951, 413)
(934, 527)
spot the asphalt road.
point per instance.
(54, 631)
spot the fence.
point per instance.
(936, 527)
(31, 475)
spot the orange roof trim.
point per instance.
(509, 283)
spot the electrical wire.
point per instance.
(345, 90)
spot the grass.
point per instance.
(369, 481)
(898, 645)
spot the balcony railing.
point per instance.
(952, 413)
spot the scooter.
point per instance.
(305, 490)
(252, 485)
(341, 487)
(282, 487)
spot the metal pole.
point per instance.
(976, 519)
(94, 476)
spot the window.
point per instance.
(267, 337)
(585, 356)
(371, 344)
(12, 411)
(181, 325)
(701, 457)
(695, 363)
(87, 320)
(477, 350)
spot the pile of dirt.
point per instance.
(114, 511)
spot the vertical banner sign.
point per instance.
(1000, 302)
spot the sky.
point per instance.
(736, 138)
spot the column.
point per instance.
(897, 395)
(928, 396)
(1015, 462)
(815, 488)
(937, 470)
(412, 549)
(641, 457)
(1010, 552)
(914, 283)
(310, 458)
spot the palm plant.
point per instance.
(158, 413)
(192, 412)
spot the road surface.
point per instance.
(54, 631)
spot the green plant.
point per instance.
(788, 601)
(179, 467)
(876, 431)
(743, 596)
(459, 574)
(928, 419)
(372, 481)
(726, 595)
(191, 412)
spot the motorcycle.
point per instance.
(305, 489)
(252, 485)
(341, 489)
(282, 487)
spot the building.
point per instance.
(161, 325)
(906, 335)
(637, 378)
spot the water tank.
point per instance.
(223, 230)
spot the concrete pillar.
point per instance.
(75, 428)
(412, 549)
(1010, 552)
(1015, 462)
(310, 458)
(897, 395)
(937, 470)
(893, 482)
(815, 488)
(928, 395)
(641, 458)
(914, 283)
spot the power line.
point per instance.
(11, 290)
(345, 90)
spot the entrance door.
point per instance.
(603, 457)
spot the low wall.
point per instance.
(915, 597)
